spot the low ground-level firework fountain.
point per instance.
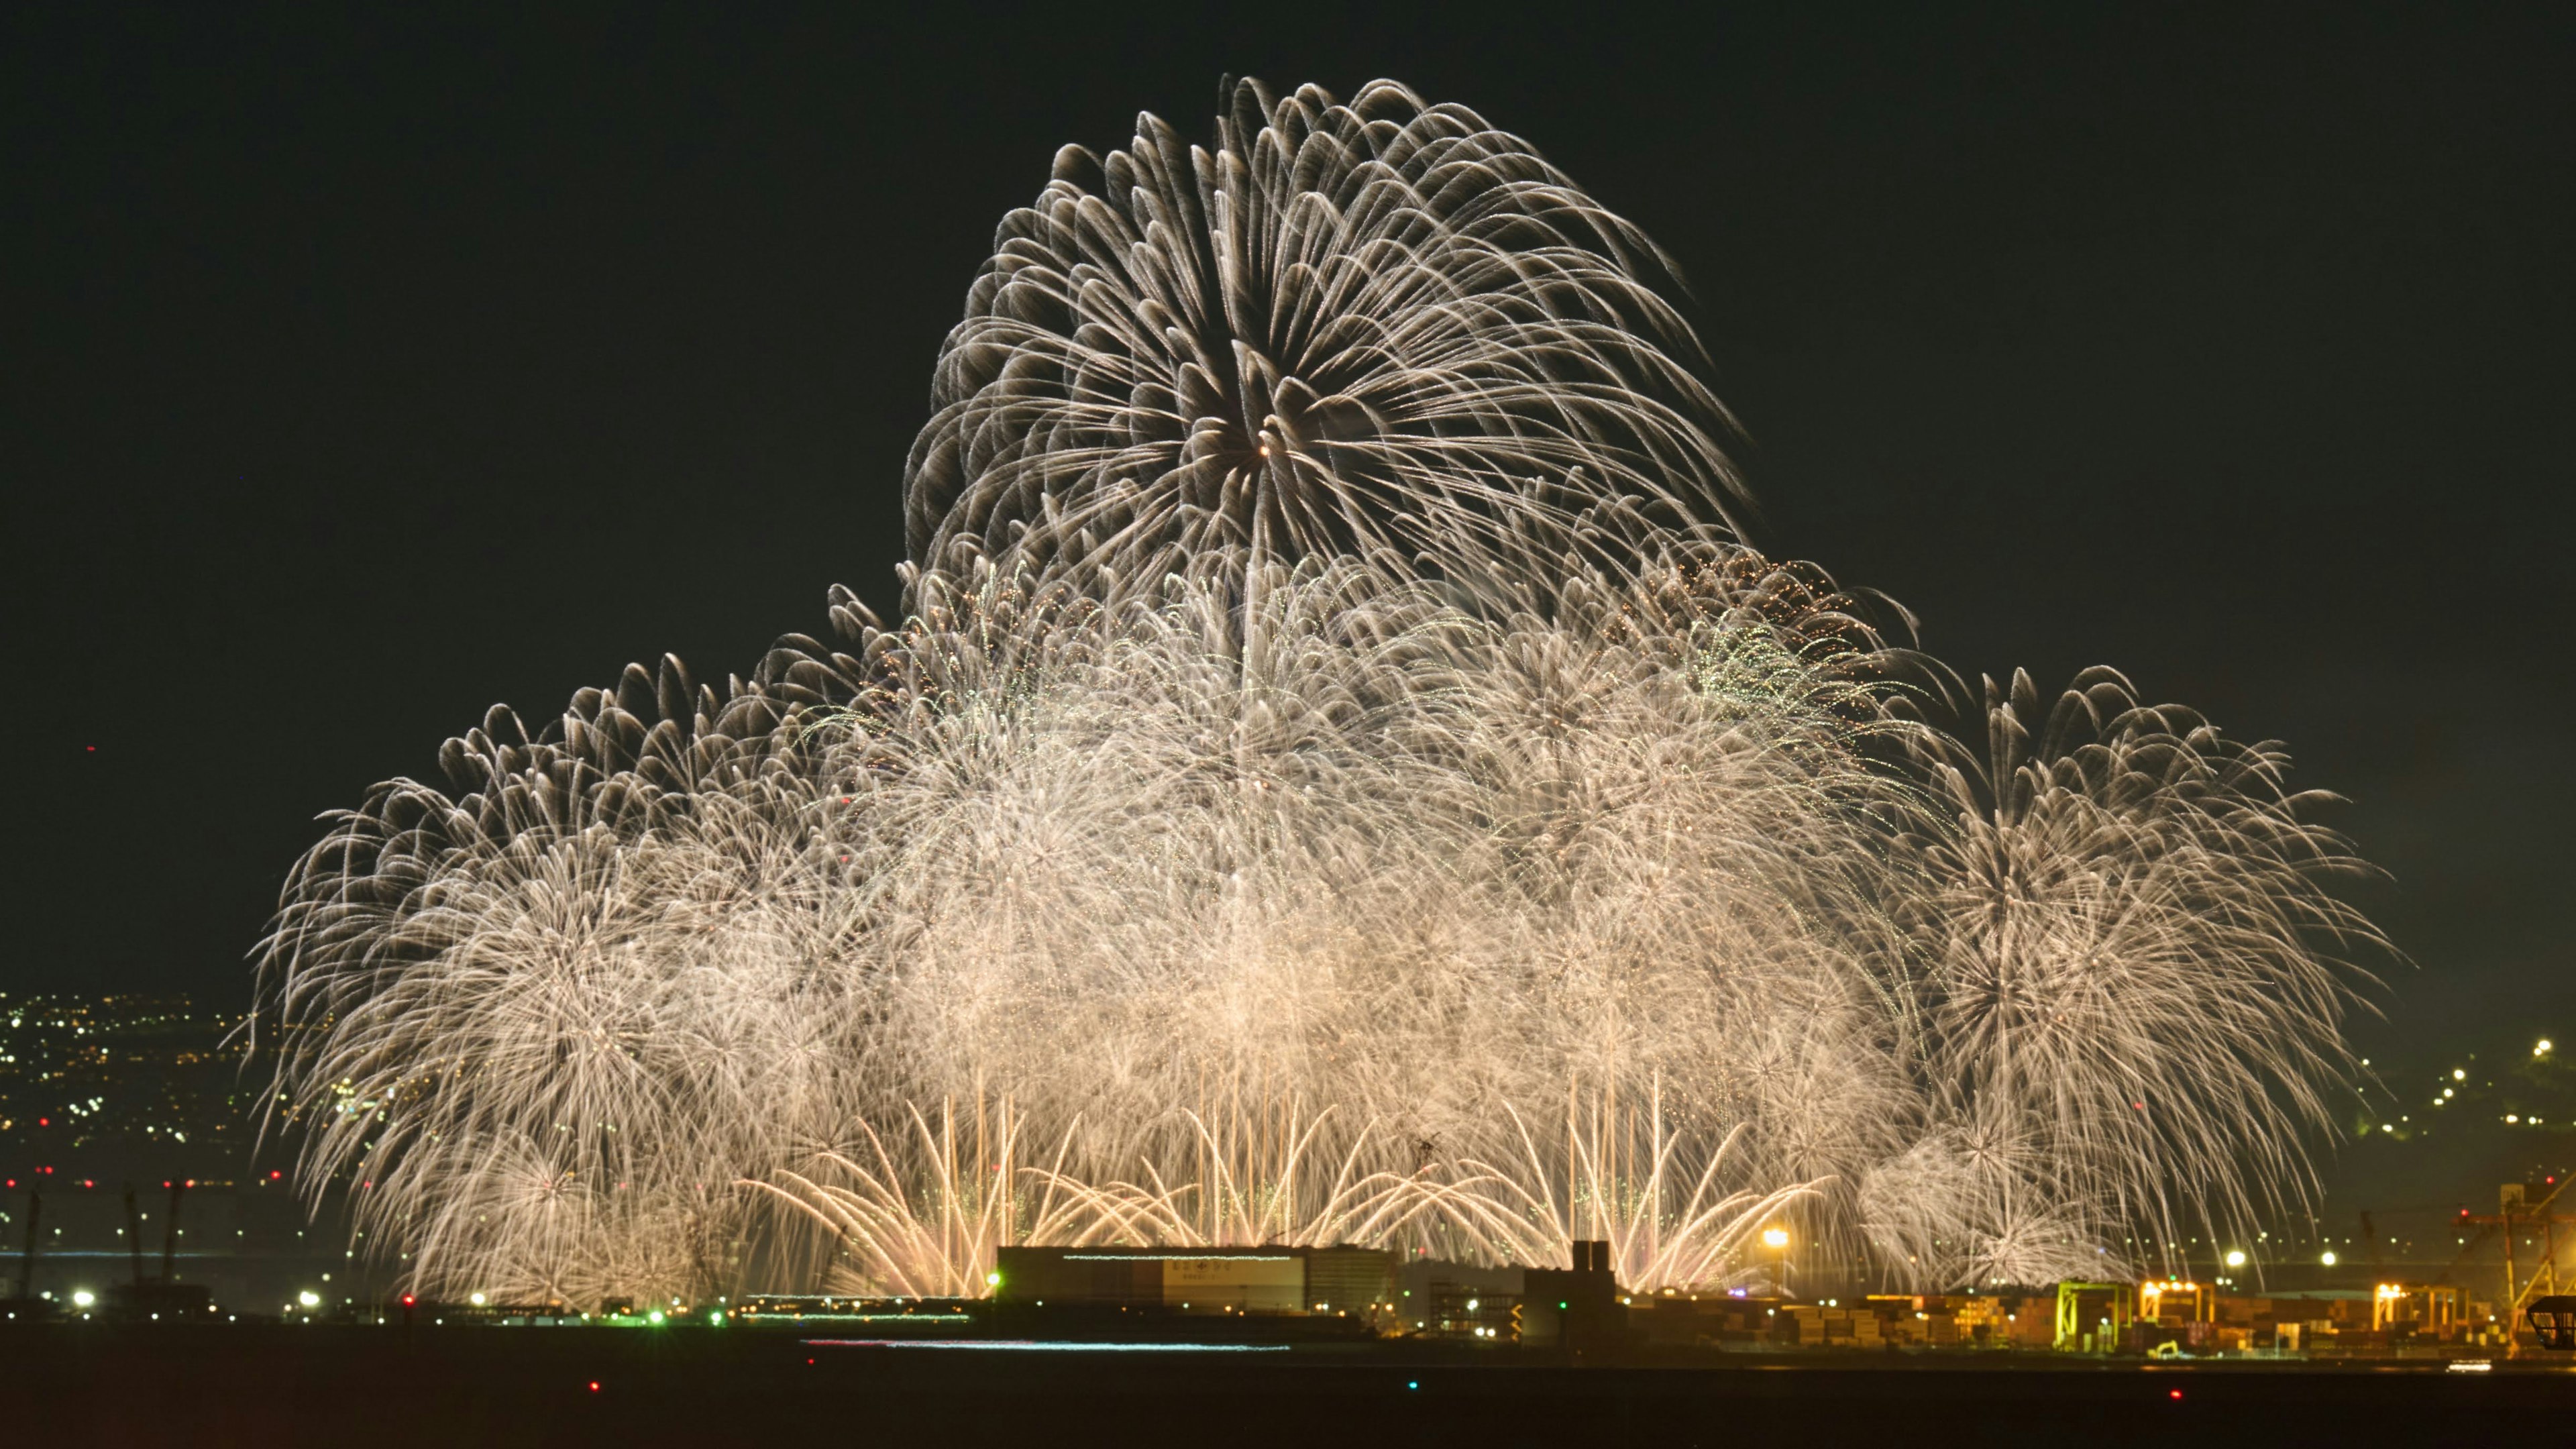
(1341, 776)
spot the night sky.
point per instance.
(363, 372)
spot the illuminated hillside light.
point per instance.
(2543, 1048)
(1325, 651)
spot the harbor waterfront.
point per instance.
(329, 1381)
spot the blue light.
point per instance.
(757, 1315)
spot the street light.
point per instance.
(1777, 1240)
(2236, 1257)
(2327, 1257)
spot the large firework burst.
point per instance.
(1339, 329)
(1338, 776)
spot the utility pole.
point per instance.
(2504, 1217)
(27, 1260)
(170, 1234)
(134, 1237)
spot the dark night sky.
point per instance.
(363, 372)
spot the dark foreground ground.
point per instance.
(99, 1384)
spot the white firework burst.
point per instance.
(1332, 734)
(1336, 329)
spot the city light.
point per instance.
(2327, 1257)
(1775, 1238)
(82, 1298)
(309, 1298)
(2236, 1258)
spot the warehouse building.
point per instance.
(1352, 1282)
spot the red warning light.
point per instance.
(407, 1300)
(2173, 1393)
(44, 1121)
(274, 1176)
(594, 1386)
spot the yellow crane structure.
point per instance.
(2517, 1207)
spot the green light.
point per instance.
(1560, 1303)
(992, 1280)
(653, 1317)
(716, 1317)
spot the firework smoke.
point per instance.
(1338, 778)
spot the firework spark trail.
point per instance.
(1282, 840)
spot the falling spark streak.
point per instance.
(1334, 731)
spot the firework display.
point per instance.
(1340, 777)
